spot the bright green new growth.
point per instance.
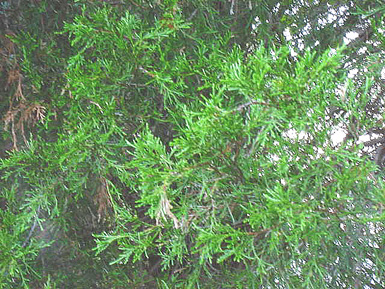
(192, 163)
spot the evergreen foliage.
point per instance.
(190, 144)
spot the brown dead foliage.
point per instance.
(20, 112)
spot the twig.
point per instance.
(192, 15)
(242, 106)
(374, 141)
(32, 229)
(136, 85)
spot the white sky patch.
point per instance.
(287, 34)
(293, 134)
(362, 50)
(307, 29)
(301, 44)
(363, 138)
(350, 36)
(338, 136)
(332, 15)
(373, 244)
(293, 53)
(322, 22)
(343, 9)
(276, 8)
(257, 22)
(288, 38)
(293, 11)
(274, 158)
(352, 73)
(332, 51)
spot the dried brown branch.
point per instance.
(102, 198)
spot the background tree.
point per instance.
(191, 143)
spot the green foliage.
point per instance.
(160, 145)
